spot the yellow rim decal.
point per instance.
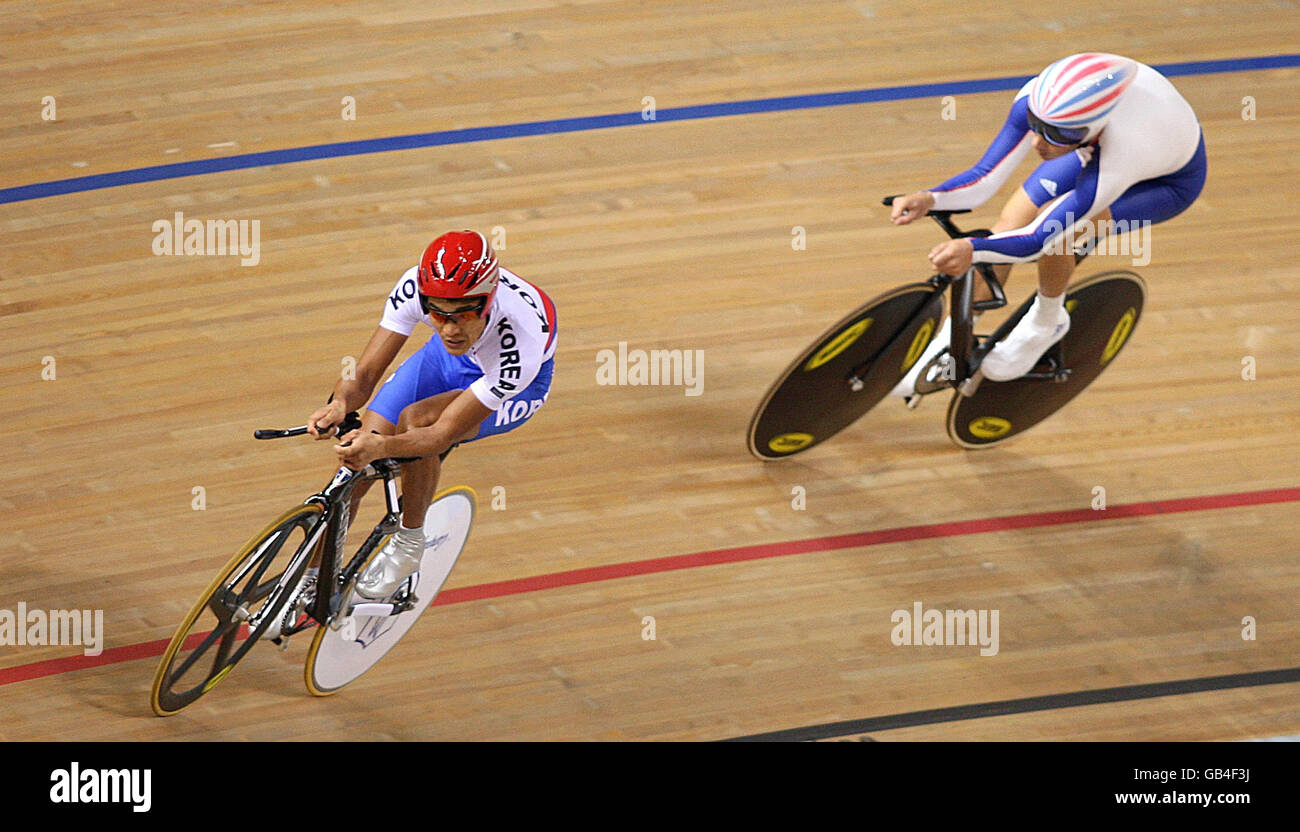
(1119, 336)
(790, 442)
(919, 342)
(989, 427)
(838, 344)
(212, 683)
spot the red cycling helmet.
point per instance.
(459, 264)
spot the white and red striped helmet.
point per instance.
(1077, 93)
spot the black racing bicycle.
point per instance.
(266, 590)
(859, 360)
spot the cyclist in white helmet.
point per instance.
(1117, 142)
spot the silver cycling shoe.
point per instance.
(397, 561)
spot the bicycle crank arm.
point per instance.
(968, 387)
(1052, 373)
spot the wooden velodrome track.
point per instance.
(665, 234)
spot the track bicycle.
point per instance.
(854, 364)
(269, 591)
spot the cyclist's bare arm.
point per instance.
(351, 393)
(458, 422)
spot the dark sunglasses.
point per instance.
(462, 315)
(1059, 136)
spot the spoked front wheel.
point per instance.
(351, 645)
(1104, 310)
(846, 372)
(248, 592)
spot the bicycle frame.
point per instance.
(333, 579)
(964, 352)
(287, 603)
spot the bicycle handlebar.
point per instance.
(943, 218)
(889, 200)
(350, 423)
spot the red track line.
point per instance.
(849, 541)
(738, 554)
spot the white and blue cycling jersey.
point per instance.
(1148, 165)
(508, 369)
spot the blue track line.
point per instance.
(241, 161)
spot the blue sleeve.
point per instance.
(1027, 244)
(999, 157)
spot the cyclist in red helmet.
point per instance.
(487, 372)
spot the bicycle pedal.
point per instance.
(1049, 369)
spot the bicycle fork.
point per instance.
(241, 612)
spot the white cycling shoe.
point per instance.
(397, 561)
(1017, 354)
(942, 339)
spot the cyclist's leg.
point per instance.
(1046, 321)
(423, 376)
(1152, 202)
(1156, 200)
(419, 403)
(382, 413)
(1054, 270)
(1144, 203)
(1019, 211)
(420, 478)
(1048, 181)
(417, 383)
